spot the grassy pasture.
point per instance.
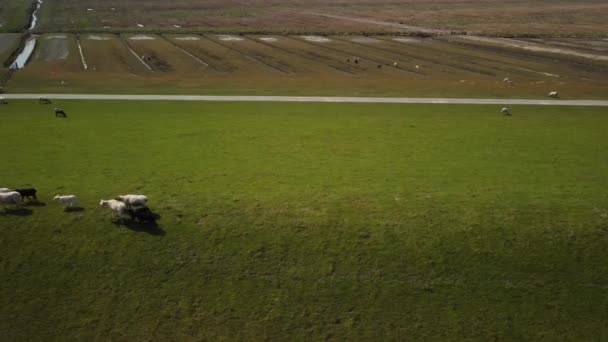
(307, 222)
(9, 42)
(14, 15)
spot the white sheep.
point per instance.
(553, 94)
(133, 200)
(417, 67)
(506, 80)
(395, 64)
(11, 197)
(5, 190)
(68, 201)
(117, 207)
(505, 111)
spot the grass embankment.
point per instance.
(307, 222)
(15, 15)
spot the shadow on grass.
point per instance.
(73, 209)
(17, 212)
(34, 204)
(151, 228)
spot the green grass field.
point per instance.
(307, 222)
(14, 15)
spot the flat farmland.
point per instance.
(313, 65)
(220, 58)
(55, 61)
(256, 52)
(107, 53)
(162, 56)
(506, 17)
(306, 221)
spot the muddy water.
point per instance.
(30, 43)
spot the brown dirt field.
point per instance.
(109, 56)
(221, 58)
(503, 17)
(290, 65)
(163, 56)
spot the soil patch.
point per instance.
(54, 49)
(228, 38)
(187, 38)
(56, 36)
(142, 37)
(156, 62)
(407, 40)
(365, 40)
(316, 39)
(93, 37)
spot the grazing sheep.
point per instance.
(44, 100)
(505, 111)
(5, 190)
(417, 67)
(60, 112)
(133, 200)
(553, 94)
(395, 64)
(68, 201)
(506, 80)
(29, 193)
(142, 215)
(117, 207)
(3, 101)
(11, 197)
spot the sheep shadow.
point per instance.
(17, 212)
(34, 204)
(73, 209)
(151, 228)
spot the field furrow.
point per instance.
(163, 56)
(106, 53)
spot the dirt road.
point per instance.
(403, 100)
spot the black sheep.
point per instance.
(30, 193)
(142, 215)
(60, 112)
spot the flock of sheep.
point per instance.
(136, 206)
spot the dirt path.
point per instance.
(379, 23)
(524, 45)
(404, 100)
